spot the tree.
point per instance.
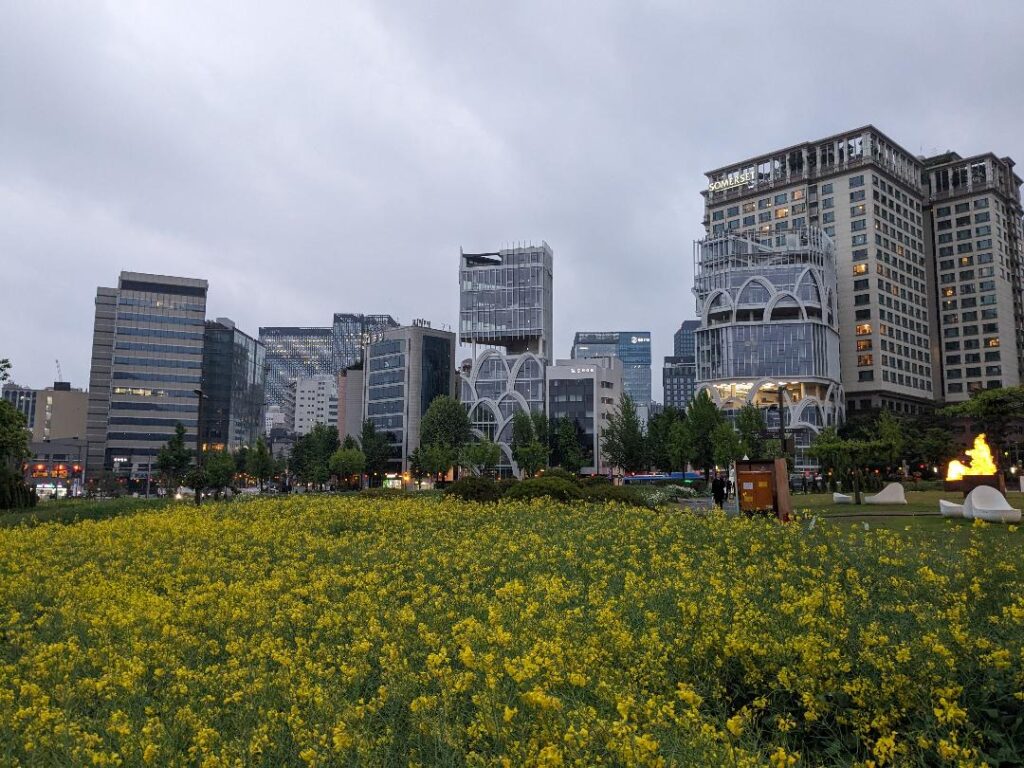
(198, 480)
(445, 426)
(312, 452)
(480, 457)
(14, 449)
(996, 412)
(433, 459)
(844, 456)
(529, 451)
(568, 448)
(659, 430)
(259, 462)
(891, 436)
(727, 444)
(702, 417)
(542, 431)
(346, 462)
(5, 370)
(220, 471)
(174, 458)
(376, 449)
(623, 440)
(678, 448)
(751, 428)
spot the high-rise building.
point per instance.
(586, 392)
(974, 223)
(24, 401)
(883, 207)
(679, 381)
(147, 360)
(53, 413)
(234, 379)
(505, 302)
(864, 191)
(405, 369)
(679, 371)
(352, 332)
(770, 333)
(316, 402)
(683, 344)
(293, 353)
(350, 402)
(633, 348)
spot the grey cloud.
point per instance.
(320, 158)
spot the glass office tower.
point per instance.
(147, 360)
(234, 378)
(294, 353)
(633, 348)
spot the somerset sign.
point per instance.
(747, 177)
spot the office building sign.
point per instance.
(747, 177)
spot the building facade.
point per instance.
(405, 369)
(683, 340)
(352, 332)
(679, 381)
(769, 330)
(505, 304)
(864, 191)
(147, 360)
(234, 381)
(53, 413)
(314, 400)
(915, 297)
(585, 391)
(294, 353)
(974, 220)
(633, 348)
(350, 402)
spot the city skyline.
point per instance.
(295, 202)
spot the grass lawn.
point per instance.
(72, 510)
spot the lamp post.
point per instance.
(199, 446)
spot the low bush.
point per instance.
(620, 493)
(594, 481)
(560, 474)
(555, 487)
(482, 489)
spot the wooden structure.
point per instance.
(762, 487)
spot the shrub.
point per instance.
(535, 488)
(559, 474)
(594, 481)
(482, 489)
(620, 493)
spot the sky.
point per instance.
(314, 158)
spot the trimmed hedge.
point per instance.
(619, 493)
(553, 487)
(482, 489)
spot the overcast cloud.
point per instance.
(311, 159)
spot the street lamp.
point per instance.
(199, 426)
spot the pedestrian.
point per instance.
(718, 490)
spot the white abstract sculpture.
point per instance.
(841, 498)
(949, 509)
(987, 503)
(891, 494)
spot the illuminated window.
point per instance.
(860, 269)
(863, 345)
(781, 213)
(949, 291)
(864, 329)
(992, 342)
(864, 360)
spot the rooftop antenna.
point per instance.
(60, 375)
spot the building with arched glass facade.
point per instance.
(768, 322)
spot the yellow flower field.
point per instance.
(380, 632)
